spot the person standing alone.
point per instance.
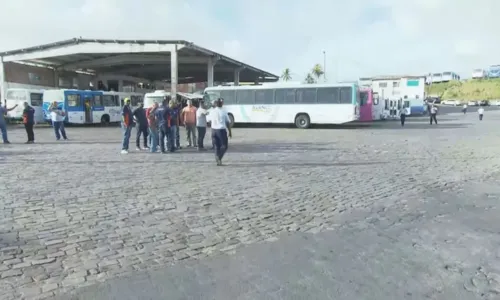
(434, 111)
(57, 117)
(221, 130)
(141, 127)
(402, 116)
(188, 118)
(127, 123)
(480, 111)
(29, 122)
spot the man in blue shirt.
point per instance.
(3, 124)
(127, 124)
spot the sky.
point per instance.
(357, 38)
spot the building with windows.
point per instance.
(396, 87)
(441, 77)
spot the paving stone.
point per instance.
(276, 180)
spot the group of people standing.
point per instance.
(159, 126)
(28, 119)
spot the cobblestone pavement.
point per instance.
(421, 200)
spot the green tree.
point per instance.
(309, 79)
(286, 75)
(317, 71)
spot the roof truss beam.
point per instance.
(93, 48)
(131, 59)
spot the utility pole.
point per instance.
(324, 65)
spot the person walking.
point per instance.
(188, 117)
(127, 123)
(141, 126)
(29, 122)
(3, 123)
(402, 116)
(57, 117)
(480, 111)
(152, 127)
(221, 130)
(464, 108)
(434, 111)
(201, 124)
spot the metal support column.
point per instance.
(212, 61)
(56, 78)
(120, 86)
(174, 73)
(237, 72)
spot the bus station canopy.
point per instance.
(175, 61)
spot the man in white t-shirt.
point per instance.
(201, 124)
(57, 115)
(221, 130)
(480, 111)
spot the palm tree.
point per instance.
(309, 78)
(317, 71)
(286, 75)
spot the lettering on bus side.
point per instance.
(261, 108)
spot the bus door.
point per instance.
(98, 108)
(87, 108)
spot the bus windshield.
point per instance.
(208, 97)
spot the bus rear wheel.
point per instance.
(302, 121)
(105, 120)
(231, 119)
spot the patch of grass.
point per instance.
(486, 89)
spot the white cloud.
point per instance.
(362, 37)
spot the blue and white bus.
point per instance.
(299, 104)
(88, 107)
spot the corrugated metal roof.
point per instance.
(187, 44)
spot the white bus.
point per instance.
(88, 107)
(19, 96)
(299, 104)
(157, 96)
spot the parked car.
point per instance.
(451, 102)
(472, 103)
(484, 103)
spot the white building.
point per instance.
(398, 91)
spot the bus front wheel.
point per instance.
(105, 120)
(302, 121)
(231, 119)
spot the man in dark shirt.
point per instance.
(161, 120)
(141, 127)
(29, 122)
(177, 107)
(172, 116)
(127, 123)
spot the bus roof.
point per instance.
(281, 86)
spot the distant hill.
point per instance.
(487, 89)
